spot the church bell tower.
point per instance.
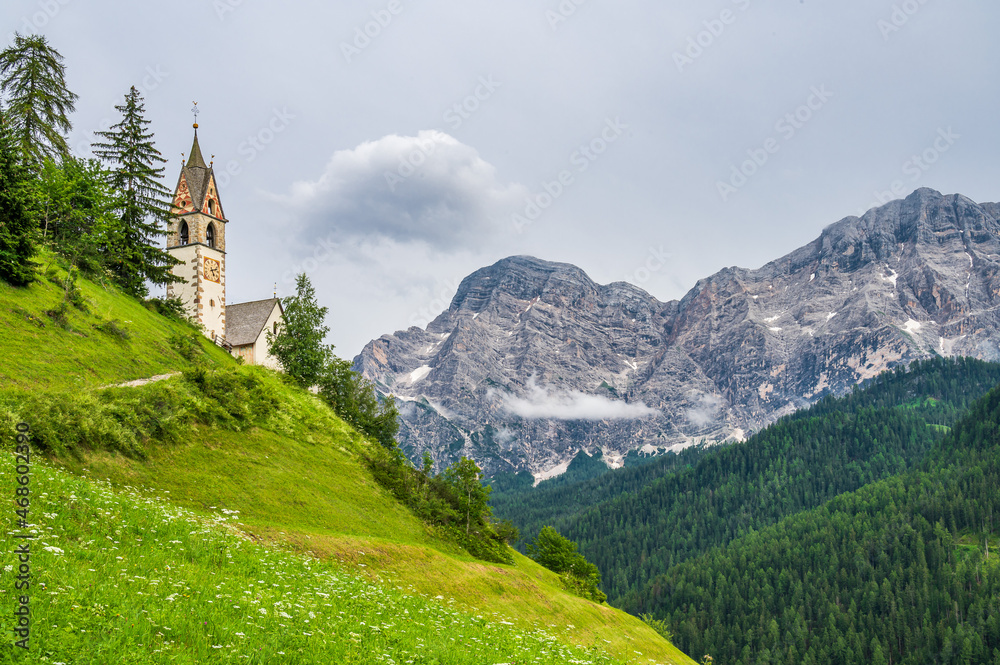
(196, 236)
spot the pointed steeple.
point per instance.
(196, 158)
(198, 179)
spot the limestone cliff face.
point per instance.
(533, 361)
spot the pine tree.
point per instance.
(298, 345)
(32, 77)
(465, 477)
(143, 207)
(17, 229)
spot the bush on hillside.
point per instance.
(354, 399)
(114, 328)
(454, 501)
(187, 346)
(172, 308)
(124, 420)
(559, 555)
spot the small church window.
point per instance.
(275, 327)
(210, 235)
(211, 207)
(184, 233)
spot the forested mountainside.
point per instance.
(637, 522)
(904, 570)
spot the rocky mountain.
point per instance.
(534, 362)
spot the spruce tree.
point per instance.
(298, 346)
(17, 229)
(32, 78)
(74, 205)
(133, 254)
(465, 477)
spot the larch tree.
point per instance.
(133, 252)
(33, 82)
(298, 344)
(17, 229)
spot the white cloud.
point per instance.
(542, 403)
(430, 188)
(705, 411)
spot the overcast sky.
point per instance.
(391, 147)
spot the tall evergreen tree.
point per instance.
(17, 229)
(143, 206)
(74, 204)
(33, 80)
(465, 477)
(298, 345)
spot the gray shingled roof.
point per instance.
(245, 321)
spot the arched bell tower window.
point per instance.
(211, 207)
(210, 235)
(184, 233)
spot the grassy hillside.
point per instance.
(123, 578)
(86, 352)
(239, 439)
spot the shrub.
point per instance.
(559, 555)
(443, 501)
(124, 420)
(188, 346)
(172, 308)
(113, 329)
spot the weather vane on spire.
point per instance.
(196, 112)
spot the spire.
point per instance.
(196, 159)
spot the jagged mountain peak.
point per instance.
(534, 362)
(520, 277)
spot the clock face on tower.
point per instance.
(212, 272)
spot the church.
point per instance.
(196, 236)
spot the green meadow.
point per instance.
(222, 515)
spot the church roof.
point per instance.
(245, 321)
(198, 175)
(196, 158)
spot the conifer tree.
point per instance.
(32, 78)
(298, 345)
(74, 204)
(17, 229)
(465, 477)
(143, 202)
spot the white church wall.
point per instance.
(262, 355)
